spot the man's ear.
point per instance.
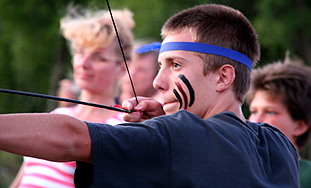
(226, 76)
(300, 128)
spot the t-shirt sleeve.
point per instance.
(143, 148)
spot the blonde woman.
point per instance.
(98, 65)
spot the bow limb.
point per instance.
(122, 51)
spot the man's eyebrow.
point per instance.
(171, 58)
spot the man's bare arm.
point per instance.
(54, 137)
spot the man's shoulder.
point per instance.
(265, 128)
(222, 120)
(274, 136)
(185, 116)
(181, 116)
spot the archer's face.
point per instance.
(178, 66)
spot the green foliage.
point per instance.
(284, 25)
(9, 166)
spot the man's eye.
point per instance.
(270, 112)
(176, 65)
(159, 66)
(253, 112)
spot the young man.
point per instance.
(280, 95)
(204, 142)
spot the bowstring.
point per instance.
(123, 55)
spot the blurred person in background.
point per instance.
(143, 68)
(98, 65)
(280, 95)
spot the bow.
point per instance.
(114, 107)
(127, 69)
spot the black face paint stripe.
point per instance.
(191, 91)
(178, 98)
(179, 87)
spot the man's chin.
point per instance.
(171, 108)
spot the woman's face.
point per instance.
(97, 70)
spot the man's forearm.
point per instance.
(53, 137)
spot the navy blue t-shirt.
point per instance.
(183, 150)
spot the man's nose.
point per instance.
(160, 82)
(258, 117)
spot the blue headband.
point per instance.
(208, 49)
(149, 47)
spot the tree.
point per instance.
(284, 25)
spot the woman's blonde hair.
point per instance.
(94, 29)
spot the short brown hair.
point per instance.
(220, 26)
(291, 82)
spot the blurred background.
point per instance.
(34, 57)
